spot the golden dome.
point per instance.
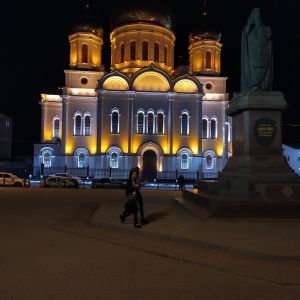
(133, 11)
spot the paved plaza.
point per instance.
(70, 244)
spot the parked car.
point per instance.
(66, 175)
(10, 179)
(59, 182)
(107, 183)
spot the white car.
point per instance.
(9, 179)
(66, 175)
(59, 182)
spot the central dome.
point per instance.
(133, 11)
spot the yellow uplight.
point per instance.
(68, 149)
(93, 150)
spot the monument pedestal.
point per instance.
(257, 176)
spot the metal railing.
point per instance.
(116, 173)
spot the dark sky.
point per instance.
(35, 51)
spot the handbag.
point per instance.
(132, 198)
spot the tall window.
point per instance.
(47, 159)
(156, 52)
(213, 129)
(81, 158)
(208, 59)
(160, 123)
(165, 54)
(150, 123)
(87, 125)
(132, 50)
(115, 127)
(114, 160)
(122, 53)
(204, 129)
(56, 128)
(77, 125)
(184, 124)
(140, 123)
(84, 50)
(184, 161)
(145, 50)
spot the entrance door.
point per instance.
(149, 165)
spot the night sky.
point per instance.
(35, 51)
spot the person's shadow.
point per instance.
(157, 216)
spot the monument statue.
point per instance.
(256, 55)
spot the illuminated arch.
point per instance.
(184, 154)
(156, 149)
(81, 157)
(46, 156)
(112, 149)
(185, 86)
(209, 157)
(152, 82)
(81, 150)
(115, 83)
(114, 153)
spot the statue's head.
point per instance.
(255, 15)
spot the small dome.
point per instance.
(88, 24)
(204, 32)
(97, 30)
(141, 11)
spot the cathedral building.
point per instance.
(143, 112)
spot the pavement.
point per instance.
(70, 244)
(274, 238)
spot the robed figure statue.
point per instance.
(256, 55)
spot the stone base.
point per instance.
(242, 204)
(257, 177)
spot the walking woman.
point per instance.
(131, 206)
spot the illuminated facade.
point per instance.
(141, 113)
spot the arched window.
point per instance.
(114, 163)
(184, 123)
(213, 129)
(47, 159)
(156, 52)
(115, 126)
(184, 161)
(87, 125)
(209, 162)
(84, 51)
(114, 154)
(150, 123)
(145, 50)
(122, 53)
(77, 125)
(165, 54)
(204, 128)
(160, 123)
(81, 159)
(208, 59)
(132, 50)
(140, 123)
(56, 128)
(210, 157)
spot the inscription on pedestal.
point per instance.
(265, 131)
